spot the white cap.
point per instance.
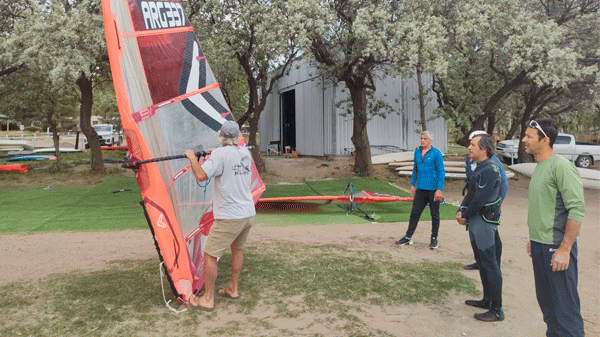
(477, 133)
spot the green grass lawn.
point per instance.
(96, 208)
(72, 208)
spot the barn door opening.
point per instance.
(288, 119)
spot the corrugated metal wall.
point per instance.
(323, 129)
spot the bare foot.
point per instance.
(226, 292)
(201, 303)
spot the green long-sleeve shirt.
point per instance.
(555, 195)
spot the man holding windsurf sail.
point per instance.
(233, 207)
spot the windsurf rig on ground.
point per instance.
(349, 199)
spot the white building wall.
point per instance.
(269, 123)
(323, 129)
(437, 126)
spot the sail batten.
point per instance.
(139, 116)
(159, 32)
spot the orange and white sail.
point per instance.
(169, 101)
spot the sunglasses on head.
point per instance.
(536, 125)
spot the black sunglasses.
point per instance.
(536, 125)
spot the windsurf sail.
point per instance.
(114, 148)
(15, 168)
(169, 101)
(362, 197)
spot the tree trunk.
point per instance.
(421, 99)
(255, 150)
(55, 141)
(534, 104)
(516, 123)
(363, 166)
(491, 125)
(85, 121)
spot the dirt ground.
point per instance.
(449, 317)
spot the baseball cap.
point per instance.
(230, 129)
(477, 133)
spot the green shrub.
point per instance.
(33, 128)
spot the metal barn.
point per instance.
(301, 113)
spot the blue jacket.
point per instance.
(428, 172)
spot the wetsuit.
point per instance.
(471, 165)
(481, 207)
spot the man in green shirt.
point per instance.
(556, 210)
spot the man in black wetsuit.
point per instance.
(480, 211)
(471, 165)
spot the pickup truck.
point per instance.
(107, 134)
(582, 154)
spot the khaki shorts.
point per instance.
(227, 233)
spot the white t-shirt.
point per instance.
(230, 166)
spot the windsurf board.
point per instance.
(589, 174)
(589, 178)
(528, 168)
(525, 169)
(453, 175)
(32, 158)
(447, 169)
(8, 144)
(51, 149)
(392, 157)
(591, 183)
(446, 163)
(20, 153)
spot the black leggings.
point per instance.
(421, 199)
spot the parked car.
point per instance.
(107, 134)
(582, 154)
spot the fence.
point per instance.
(39, 138)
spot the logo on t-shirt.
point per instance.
(243, 167)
